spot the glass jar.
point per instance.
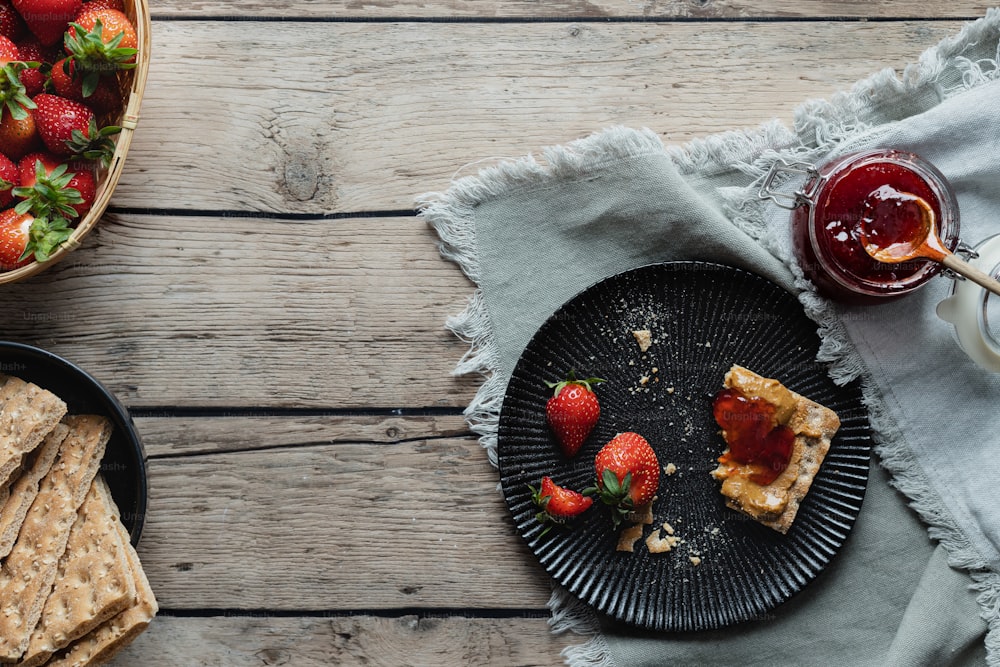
(826, 217)
(974, 311)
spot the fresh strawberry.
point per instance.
(18, 136)
(14, 228)
(11, 25)
(556, 504)
(24, 237)
(33, 78)
(109, 23)
(102, 96)
(8, 180)
(109, 4)
(69, 128)
(572, 411)
(48, 19)
(628, 473)
(54, 190)
(14, 102)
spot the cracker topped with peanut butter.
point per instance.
(776, 441)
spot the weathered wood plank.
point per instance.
(359, 116)
(216, 312)
(372, 641)
(471, 9)
(187, 436)
(349, 527)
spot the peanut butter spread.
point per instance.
(763, 501)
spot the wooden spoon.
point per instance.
(900, 226)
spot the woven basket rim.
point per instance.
(138, 11)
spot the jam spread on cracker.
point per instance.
(755, 436)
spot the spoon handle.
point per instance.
(963, 268)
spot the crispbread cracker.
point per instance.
(814, 426)
(25, 487)
(27, 574)
(108, 639)
(93, 582)
(27, 414)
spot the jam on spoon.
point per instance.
(899, 226)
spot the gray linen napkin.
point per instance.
(532, 234)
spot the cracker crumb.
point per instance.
(670, 390)
(669, 469)
(695, 560)
(644, 338)
(644, 380)
(643, 514)
(628, 537)
(657, 543)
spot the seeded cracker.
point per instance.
(25, 487)
(93, 582)
(27, 414)
(106, 641)
(27, 574)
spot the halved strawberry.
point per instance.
(572, 411)
(628, 474)
(556, 504)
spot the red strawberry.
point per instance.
(24, 237)
(628, 473)
(48, 19)
(68, 83)
(53, 189)
(556, 504)
(14, 228)
(57, 118)
(113, 22)
(18, 136)
(110, 4)
(8, 180)
(33, 78)
(11, 25)
(572, 411)
(69, 128)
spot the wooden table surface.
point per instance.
(265, 300)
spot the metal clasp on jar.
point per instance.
(791, 200)
(966, 252)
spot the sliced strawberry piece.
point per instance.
(557, 504)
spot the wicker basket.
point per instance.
(133, 84)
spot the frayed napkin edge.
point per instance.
(820, 127)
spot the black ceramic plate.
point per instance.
(703, 318)
(123, 465)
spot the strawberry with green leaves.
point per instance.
(24, 238)
(557, 504)
(628, 474)
(69, 128)
(572, 411)
(49, 188)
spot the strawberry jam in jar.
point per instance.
(826, 221)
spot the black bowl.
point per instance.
(124, 463)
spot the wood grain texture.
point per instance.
(336, 527)
(210, 312)
(353, 641)
(474, 9)
(245, 430)
(397, 109)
